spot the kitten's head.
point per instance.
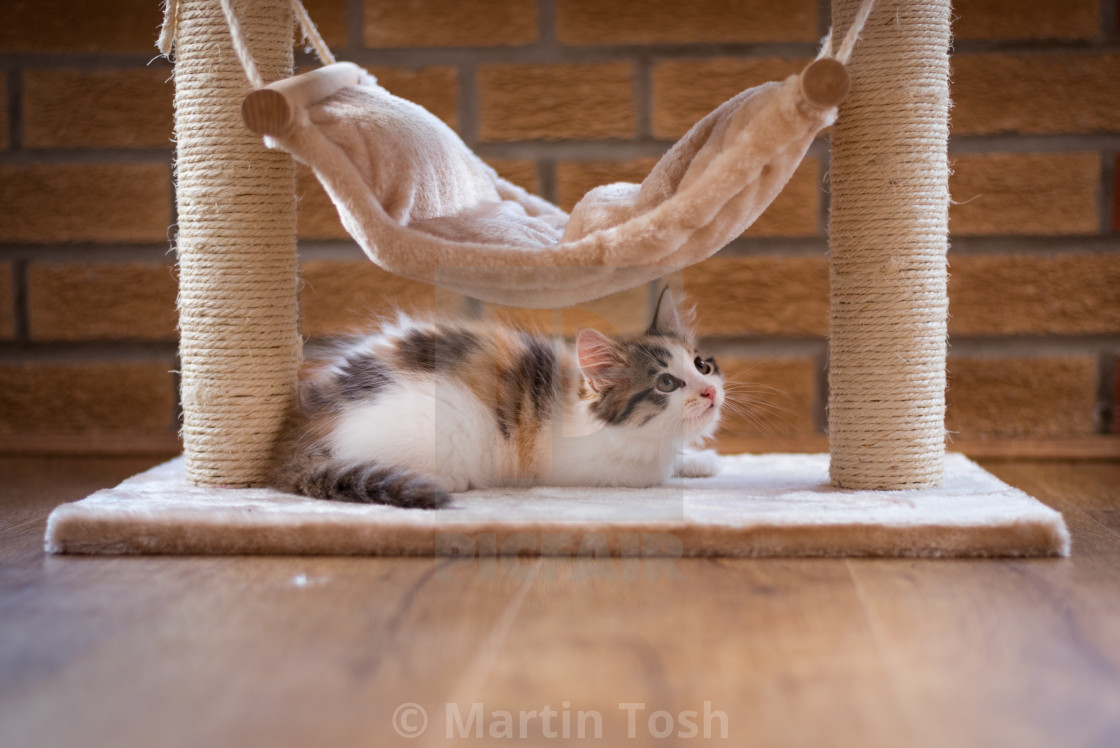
(660, 380)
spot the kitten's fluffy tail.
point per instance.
(364, 483)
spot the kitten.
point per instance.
(418, 410)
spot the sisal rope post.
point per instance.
(238, 317)
(888, 240)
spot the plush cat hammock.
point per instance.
(421, 204)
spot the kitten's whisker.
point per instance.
(754, 387)
(759, 404)
(760, 413)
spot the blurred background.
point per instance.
(560, 96)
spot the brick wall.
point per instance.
(560, 96)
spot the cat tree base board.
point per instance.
(759, 505)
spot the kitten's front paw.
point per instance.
(703, 464)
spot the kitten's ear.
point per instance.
(667, 320)
(600, 358)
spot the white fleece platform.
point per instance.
(760, 505)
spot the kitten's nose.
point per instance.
(709, 392)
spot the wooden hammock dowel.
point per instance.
(825, 83)
(272, 109)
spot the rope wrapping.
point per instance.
(888, 239)
(238, 316)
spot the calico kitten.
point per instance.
(418, 410)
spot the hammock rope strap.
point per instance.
(240, 46)
(311, 34)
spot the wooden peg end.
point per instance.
(266, 112)
(825, 83)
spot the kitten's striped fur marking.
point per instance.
(418, 410)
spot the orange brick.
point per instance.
(1116, 195)
(1067, 294)
(349, 296)
(1053, 92)
(668, 21)
(7, 302)
(97, 109)
(95, 203)
(434, 88)
(87, 26)
(1039, 194)
(626, 312)
(134, 301)
(760, 295)
(81, 397)
(450, 23)
(1026, 19)
(522, 172)
(4, 142)
(553, 102)
(684, 91)
(1114, 427)
(772, 398)
(329, 17)
(316, 215)
(1012, 397)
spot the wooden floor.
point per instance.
(148, 651)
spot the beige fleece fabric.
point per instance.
(423, 205)
(759, 505)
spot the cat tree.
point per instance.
(240, 343)
(237, 250)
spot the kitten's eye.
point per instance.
(703, 366)
(667, 383)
